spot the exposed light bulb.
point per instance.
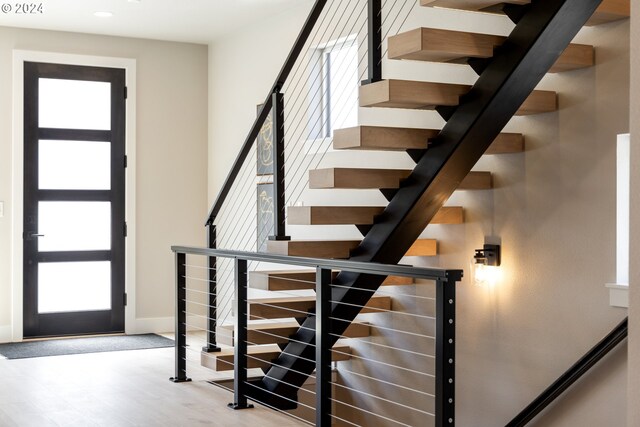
(486, 275)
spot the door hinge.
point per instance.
(126, 161)
(124, 299)
(124, 230)
(126, 92)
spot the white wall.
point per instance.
(171, 158)
(553, 209)
(242, 69)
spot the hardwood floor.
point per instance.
(127, 388)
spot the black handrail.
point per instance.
(334, 264)
(615, 337)
(312, 19)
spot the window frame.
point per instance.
(321, 69)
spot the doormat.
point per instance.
(59, 347)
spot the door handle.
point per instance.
(32, 236)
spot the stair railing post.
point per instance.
(323, 347)
(374, 28)
(240, 337)
(445, 352)
(279, 221)
(181, 320)
(212, 345)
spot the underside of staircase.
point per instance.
(509, 69)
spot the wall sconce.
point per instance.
(485, 265)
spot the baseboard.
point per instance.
(158, 325)
(5, 334)
(153, 325)
(145, 325)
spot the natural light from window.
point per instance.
(333, 92)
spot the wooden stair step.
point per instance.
(507, 143)
(279, 332)
(427, 95)
(340, 249)
(423, 247)
(357, 215)
(292, 306)
(411, 94)
(477, 181)
(608, 11)
(382, 138)
(302, 279)
(353, 178)
(436, 45)
(379, 138)
(261, 356)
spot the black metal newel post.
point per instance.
(323, 347)
(445, 352)
(279, 222)
(181, 320)
(212, 345)
(375, 41)
(240, 355)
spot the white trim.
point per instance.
(622, 207)
(5, 334)
(129, 64)
(159, 325)
(619, 291)
(618, 295)
(152, 325)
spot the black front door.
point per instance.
(74, 206)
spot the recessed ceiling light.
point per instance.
(103, 14)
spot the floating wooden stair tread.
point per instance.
(608, 11)
(279, 332)
(426, 95)
(260, 357)
(378, 138)
(346, 178)
(477, 181)
(382, 138)
(411, 94)
(357, 215)
(356, 178)
(435, 45)
(292, 306)
(302, 279)
(423, 247)
(339, 249)
(507, 143)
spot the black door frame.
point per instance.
(84, 322)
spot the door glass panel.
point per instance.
(74, 286)
(74, 226)
(74, 104)
(74, 165)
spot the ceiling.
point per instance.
(195, 21)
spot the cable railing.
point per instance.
(393, 366)
(340, 41)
